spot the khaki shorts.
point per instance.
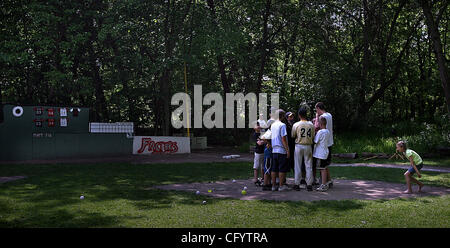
(258, 161)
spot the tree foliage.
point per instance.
(371, 62)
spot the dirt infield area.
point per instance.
(342, 190)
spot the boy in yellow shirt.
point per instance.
(416, 165)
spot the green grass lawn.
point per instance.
(376, 142)
(116, 195)
(356, 142)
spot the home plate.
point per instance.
(342, 190)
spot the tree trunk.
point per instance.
(393, 104)
(367, 38)
(422, 79)
(123, 79)
(434, 35)
(165, 100)
(263, 47)
(366, 105)
(289, 51)
(100, 109)
(172, 27)
(220, 63)
(366, 58)
(100, 100)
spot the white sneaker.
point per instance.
(274, 188)
(283, 188)
(322, 188)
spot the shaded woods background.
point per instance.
(375, 64)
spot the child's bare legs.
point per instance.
(282, 178)
(267, 179)
(410, 178)
(417, 182)
(255, 175)
(314, 173)
(408, 183)
(274, 178)
(329, 162)
(324, 174)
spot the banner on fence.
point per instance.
(161, 145)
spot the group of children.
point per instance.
(313, 144)
(312, 150)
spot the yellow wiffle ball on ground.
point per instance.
(244, 192)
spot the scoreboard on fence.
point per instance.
(59, 119)
(49, 132)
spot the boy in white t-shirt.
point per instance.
(321, 152)
(280, 152)
(321, 112)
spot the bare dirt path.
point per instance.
(342, 190)
(395, 166)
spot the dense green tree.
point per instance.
(371, 62)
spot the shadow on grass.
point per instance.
(62, 219)
(49, 197)
(117, 193)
